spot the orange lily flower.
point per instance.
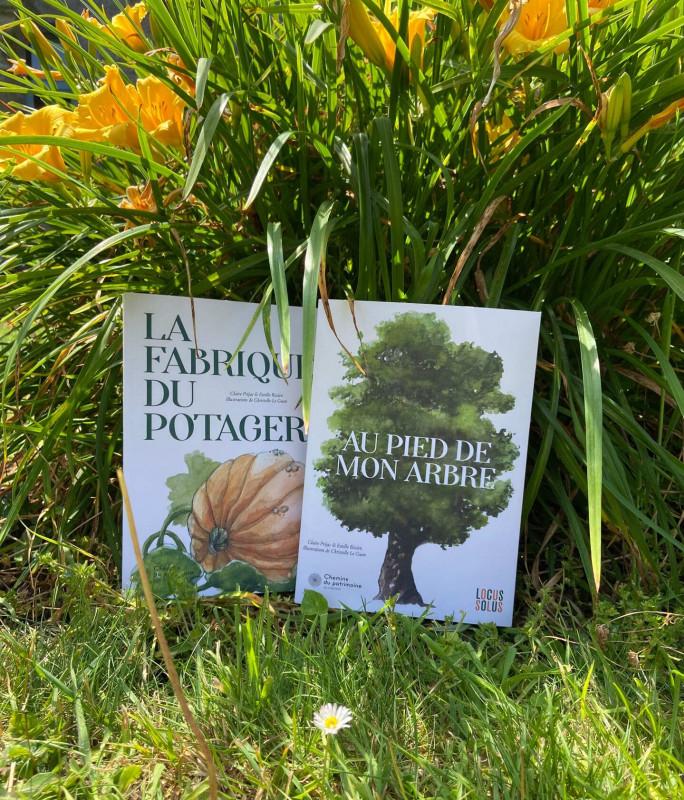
(19, 67)
(178, 73)
(502, 136)
(34, 162)
(124, 26)
(539, 22)
(139, 198)
(161, 111)
(372, 37)
(111, 113)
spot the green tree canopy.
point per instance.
(417, 382)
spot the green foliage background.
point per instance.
(296, 165)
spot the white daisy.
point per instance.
(331, 718)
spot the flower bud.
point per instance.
(616, 110)
(65, 31)
(44, 50)
(626, 114)
(69, 41)
(364, 33)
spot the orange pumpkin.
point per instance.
(249, 509)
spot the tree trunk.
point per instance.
(396, 576)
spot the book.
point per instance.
(214, 445)
(416, 458)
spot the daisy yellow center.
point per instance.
(331, 722)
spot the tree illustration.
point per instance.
(417, 382)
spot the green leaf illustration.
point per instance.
(171, 572)
(183, 486)
(241, 575)
(237, 574)
(282, 586)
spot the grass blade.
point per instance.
(265, 166)
(204, 141)
(277, 263)
(367, 285)
(203, 67)
(593, 423)
(671, 277)
(314, 258)
(396, 206)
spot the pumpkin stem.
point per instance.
(218, 540)
(171, 516)
(158, 537)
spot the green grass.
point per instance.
(557, 708)
(295, 162)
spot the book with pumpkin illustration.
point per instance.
(416, 458)
(214, 444)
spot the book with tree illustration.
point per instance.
(214, 444)
(416, 458)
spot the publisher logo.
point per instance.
(315, 579)
(489, 599)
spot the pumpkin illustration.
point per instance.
(249, 509)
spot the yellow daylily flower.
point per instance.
(502, 136)
(363, 32)
(161, 111)
(19, 67)
(112, 112)
(32, 162)
(124, 26)
(375, 41)
(178, 73)
(139, 198)
(539, 21)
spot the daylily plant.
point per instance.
(114, 114)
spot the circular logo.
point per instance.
(315, 579)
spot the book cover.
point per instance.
(416, 458)
(214, 445)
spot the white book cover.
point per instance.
(416, 458)
(214, 445)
